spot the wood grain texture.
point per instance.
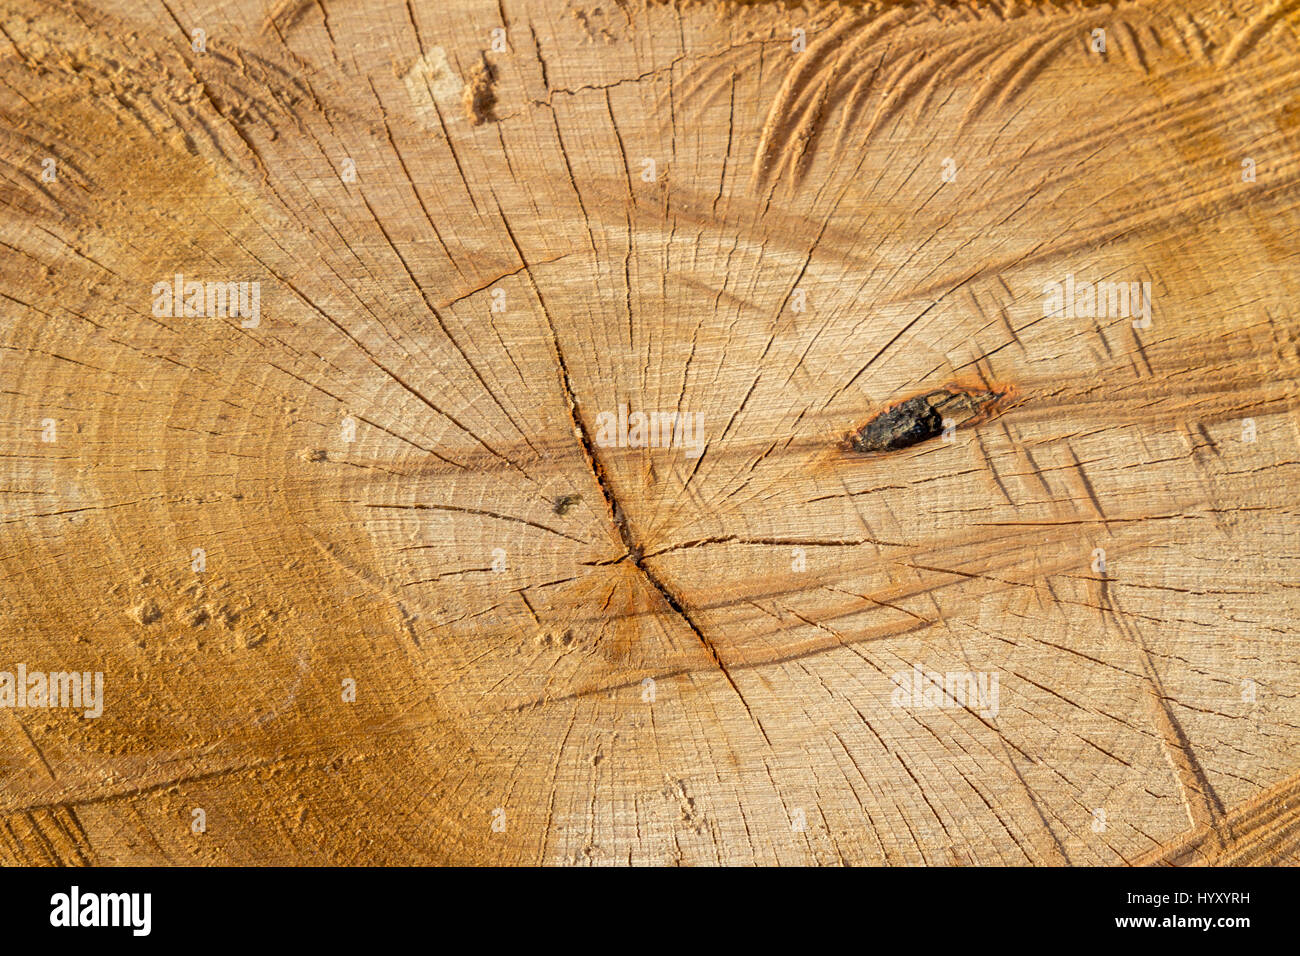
(570, 652)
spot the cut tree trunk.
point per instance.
(380, 567)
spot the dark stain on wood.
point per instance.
(923, 417)
(564, 503)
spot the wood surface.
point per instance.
(565, 651)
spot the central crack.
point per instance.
(635, 552)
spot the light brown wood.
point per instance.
(565, 651)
